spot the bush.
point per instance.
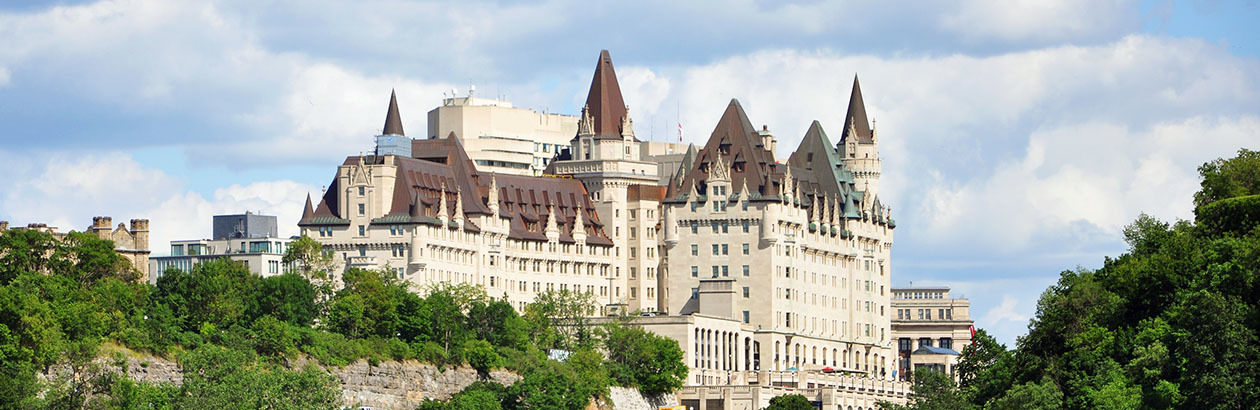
(481, 355)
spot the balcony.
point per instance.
(361, 261)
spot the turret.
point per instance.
(441, 211)
(492, 198)
(553, 228)
(140, 233)
(459, 207)
(671, 225)
(769, 219)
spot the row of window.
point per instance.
(926, 314)
(724, 248)
(719, 271)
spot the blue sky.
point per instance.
(1019, 137)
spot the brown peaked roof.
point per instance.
(393, 121)
(309, 211)
(741, 148)
(856, 117)
(604, 101)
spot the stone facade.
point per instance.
(929, 317)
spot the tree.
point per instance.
(790, 402)
(495, 321)
(312, 261)
(289, 298)
(933, 390)
(550, 386)
(24, 250)
(481, 355)
(645, 360)
(218, 292)
(1229, 178)
(558, 319)
(984, 368)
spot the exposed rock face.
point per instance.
(388, 385)
(395, 385)
(622, 398)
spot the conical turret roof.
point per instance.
(393, 121)
(855, 119)
(309, 211)
(604, 102)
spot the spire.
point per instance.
(393, 121)
(459, 206)
(309, 212)
(553, 229)
(441, 211)
(855, 121)
(579, 227)
(604, 102)
(492, 197)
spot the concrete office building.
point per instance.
(248, 238)
(500, 138)
(930, 328)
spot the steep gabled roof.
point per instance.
(818, 166)
(604, 101)
(393, 121)
(308, 212)
(855, 118)
(741, 146)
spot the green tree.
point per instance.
(1029, 396)
(218, 292)
(481, 355)
(985, 368)
(24, 250)
(933, 391)
(550, 386)
(790, 402)
(1229, 178)
(496, 322)
(558, 319)
(313, 262)
(645, 360)
(288, 297)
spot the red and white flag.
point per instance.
(680, 132)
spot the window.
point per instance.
(633, 231)
(715, 271)
(924, 341)
(725, 249)
(362, 230)
(693, 206)
(362, 209)
(715, 205)
(745, 316)
(724, 227)
(745, 291)
(695, 249)
(715, 228)
(694, 227)
(940, 313)
(695, 293)
(947, 343)
(903, 344)
(362, 191)
(715, 249)
(177, 250)
(745, 205)
(745, 248)
(745, 270)
(949, 314)
(695, 271)
(745, 226)
(725, 271)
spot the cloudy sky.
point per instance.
(1018, 137)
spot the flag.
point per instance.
(680, 132)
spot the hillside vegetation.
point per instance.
(1172, 323)
(235, 334)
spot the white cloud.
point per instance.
(1021, 20)
(67, 190)
(1004, 312)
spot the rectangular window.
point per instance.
(715, 249)
(724, 227)
(725, 249)
(940, 313)
(947, 343)
(695, 271)
(745, 226)
(745, 291)
(745, 316)
(745, 270)
(715, 271)
(745, 249)
(693, 206)
(695, 293)
(715, 228)
(695, 227)
(695, 250)
(362, 191)
(362, 209)
(725, 271)
(362, 230)
(949, 314)
(177, 250)
(745, 205)
(715, 205)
